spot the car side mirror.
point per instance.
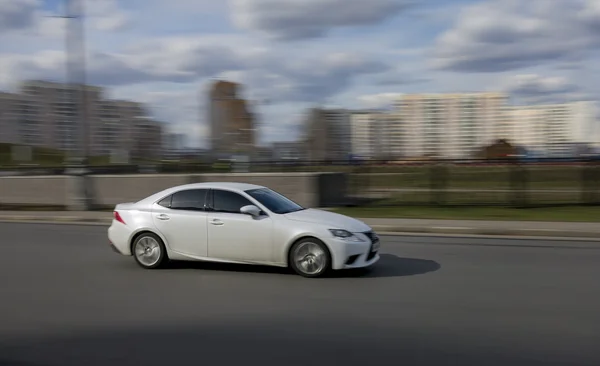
(250, 210)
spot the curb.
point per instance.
(381, 229)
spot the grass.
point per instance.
(557, 214)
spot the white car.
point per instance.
(239, 223)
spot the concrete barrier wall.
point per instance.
(42, 190)
(308, 189)
(110, 190)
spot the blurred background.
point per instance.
(421, 103)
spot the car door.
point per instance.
(236, 236)
(181, 219)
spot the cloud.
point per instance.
(178, 62)
(107, 15)
(533, 88)
(377, 101)
(398, 77)
(501, 35)
(28, 17)
(310, 79)
(302, 19)
(48, 64)
(17, 14)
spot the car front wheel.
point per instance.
(310, 257)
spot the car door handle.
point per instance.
(216, 222)
(163, 217)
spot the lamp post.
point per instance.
(75, 32)
(75, 71)
(76, 81)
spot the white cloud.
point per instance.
(298, 19)
(533, 88)
(106, 15)
(291, 76)
(46, 64)
(377, 101)
(17, 14)
(27, 17)
(500, 35)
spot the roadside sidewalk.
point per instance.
(382, 226)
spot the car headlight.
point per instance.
(345, 235)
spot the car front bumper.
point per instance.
(347, 255)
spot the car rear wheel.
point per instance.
(149, 251)
(310, 257)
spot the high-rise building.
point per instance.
(48, 114)
(451, 125)
(174, 141)
(232, 125)
(363, 130)
(554, 129)
(328, 134)
(9, 107)
(113, 127)
(388, 136)
(148, 143)
(375, 135)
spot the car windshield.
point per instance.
(274, 201)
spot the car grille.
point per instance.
(372, 236)
(374, 239)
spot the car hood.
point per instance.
(331, 219)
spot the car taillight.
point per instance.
(118, 217)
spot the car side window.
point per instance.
(229, 202)
(190, 199)
(165, 202)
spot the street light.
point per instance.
(75, 71)
(81, 195)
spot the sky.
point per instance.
(295, 54)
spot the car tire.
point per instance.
(310, 257)
(149, 251)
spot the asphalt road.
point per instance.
(67, 299)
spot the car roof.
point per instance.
(228, 185)
(234, 186)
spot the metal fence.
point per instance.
(481, 184)
(514, 183)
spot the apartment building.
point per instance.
(232, 125)
(450, 125)
(112, 126)
(48, 114)
(174, 141)
(328, 134)
(375, 135)
(527, 122)
(554, 130)
(363, 126)
(149, 141)
(9, 104)
(388, 136)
